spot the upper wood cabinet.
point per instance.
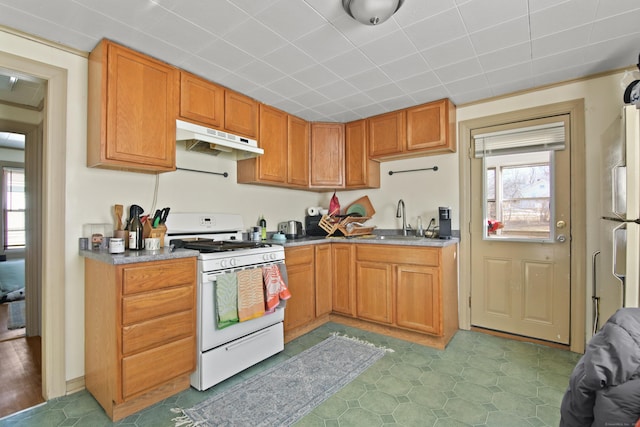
(201, 101)
(132, 110)
(211, 105)
(431, 127)
(360, 171)
(298, 152)
(387, 134)
(240, 114)
(417, 131)
(327, 155)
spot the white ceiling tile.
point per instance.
(480, 14)
(349, 63)
(449, 53)
(337, 89)
(559, 42)
(217, 17)
(257, 40)
(414, 11)
(324, 43)
(611, 8)
(384, 92)
(315, 76)
(225, 55)
(562, 16)
(288, 59)
(369, 79)
(419, 82)
(259, 72)
(388, 48)
(616, 26)
(287, 87)
(302, 54)
(311, 98)
(491, 39)
(505, 57)
(453, 72)
(405, 67)
(291, 19)
(252, 7)
(436, 30)
(515, 73)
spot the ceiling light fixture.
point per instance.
(371, 12)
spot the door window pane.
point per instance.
(14, 207)
(518, 196)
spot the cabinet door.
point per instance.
(327, 155)
(374, 291)
(298, 152)
(387, 134)
(429, 127)
(344, 291)
(141, 110)
(201, 101)
(418, 298)
(240, 114)
(300, 271)
(272, 165)
(360, 172)
(323, 270)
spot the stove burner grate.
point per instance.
(210, 245)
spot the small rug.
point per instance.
(16, 315)
(286, 392)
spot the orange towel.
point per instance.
(250, 295)
(274, 287)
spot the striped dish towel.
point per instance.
(226, 299)
(275, 288)
(250, 294)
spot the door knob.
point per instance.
(561, 238)
(561, 224)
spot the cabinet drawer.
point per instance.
(140, 307)
(155, 332)
(398, 254)
(299, 255)
(164, 274)
(149, 369)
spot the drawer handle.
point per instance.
(245, 340)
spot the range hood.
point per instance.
(215, 142)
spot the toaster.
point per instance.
(291, 229)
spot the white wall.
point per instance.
(91, 193)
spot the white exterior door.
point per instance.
(521, 231)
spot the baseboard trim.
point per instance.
(520, 338)
(75, 385)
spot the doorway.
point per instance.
(479, 239)
(52, 263)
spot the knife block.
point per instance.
(149, 231)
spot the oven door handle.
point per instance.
(245, 340)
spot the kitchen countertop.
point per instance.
(130, 257)
(375, 240)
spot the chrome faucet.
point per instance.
(401, 212)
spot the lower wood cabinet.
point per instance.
(140, 332)
(343, 279)
(323, 279)
(300, 309)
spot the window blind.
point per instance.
(550, 136)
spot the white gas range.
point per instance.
(223, 352)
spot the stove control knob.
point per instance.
(272, 256)
(223, 263)
(265, 257)
(232, 262)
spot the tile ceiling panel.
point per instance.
(310, 58)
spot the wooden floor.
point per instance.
(20, 368)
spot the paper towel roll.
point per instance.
(312, 211)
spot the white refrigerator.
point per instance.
(617, 266)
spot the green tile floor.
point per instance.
(479, 380)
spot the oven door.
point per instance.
(209, 336)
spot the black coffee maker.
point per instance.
(444, 225)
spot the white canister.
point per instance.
(116, 245)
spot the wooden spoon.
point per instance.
(119, 210)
